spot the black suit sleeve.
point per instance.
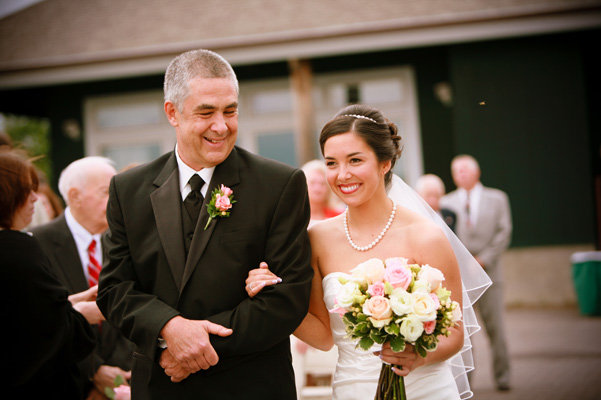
(270, 317)
(139, 316)
(46, 331)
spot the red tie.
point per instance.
(467, 210)
(93, 265)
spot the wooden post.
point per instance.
(301, 78)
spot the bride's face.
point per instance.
(353, 170)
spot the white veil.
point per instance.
(474, 280)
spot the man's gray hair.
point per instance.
(468, 158)
(429, 180)
(193, 64)
(77, 173)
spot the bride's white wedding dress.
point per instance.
(357, 371)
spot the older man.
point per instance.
(178, 264)
(75, 248)
(431, 188)
(484, 226)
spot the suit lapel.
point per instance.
(226, 173)
(67, 256)
(166, 204)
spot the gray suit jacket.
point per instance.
(492, 232)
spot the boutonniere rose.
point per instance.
(221, 202)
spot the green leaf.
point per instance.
(392, 329)
(110, 393)
(361, 328)
(365, 343)
(421, 350)
(377, 337)
(397, 344)
(119, 381)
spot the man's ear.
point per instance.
(73, 194)
(171, 113)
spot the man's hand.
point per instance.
(86, 295)
(105, 377)
(188, 342)
(173, 368)
(480, 262)
(90, 310)
(94, 394)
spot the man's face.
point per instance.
(465, 174)
(88, 203)
(431, 194)
(206, 127)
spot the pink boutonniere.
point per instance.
(221, 202)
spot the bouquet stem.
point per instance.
(390, 385)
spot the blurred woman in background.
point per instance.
(43, 336)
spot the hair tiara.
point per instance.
(360, 116)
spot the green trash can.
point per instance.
(586, 272)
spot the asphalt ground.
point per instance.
(555, 355)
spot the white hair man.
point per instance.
(484, 226)
(431, 188)
(74, 245)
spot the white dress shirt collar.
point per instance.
(82, 240)
(186, 172)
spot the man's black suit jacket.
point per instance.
(112, 348)
(149, 278)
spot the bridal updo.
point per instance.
(377, 131)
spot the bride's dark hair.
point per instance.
(368, 123)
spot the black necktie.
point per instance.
(193, 201)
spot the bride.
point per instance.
(360, 148)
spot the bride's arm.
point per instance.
(432, 247)
(315, 328)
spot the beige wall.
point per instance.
(540, 276)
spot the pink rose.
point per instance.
(436, 300)
(398, 275)
(433, 275)
(376, 289)
(227, 192)
(379, 311)
(429, 326)
(222, 203)
(122, 392)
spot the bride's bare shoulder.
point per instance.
(421, 230)
(325, 230)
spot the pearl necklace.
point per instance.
(376, 240)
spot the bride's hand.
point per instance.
(407, 359)
(259, 278)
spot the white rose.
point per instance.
(378, 309)
(424, 306)
(401, 302)
(433, 275)
(369, 271)
(456, 312)
(421, 286)
(346, 295)
(411, 328)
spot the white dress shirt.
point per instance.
(186, 172)
(83, 238)
(475, 195)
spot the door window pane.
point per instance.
(124, 155)
(278, 146)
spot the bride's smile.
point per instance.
(353, 170)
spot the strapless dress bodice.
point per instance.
(357, 371)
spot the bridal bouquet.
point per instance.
(396, 302)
